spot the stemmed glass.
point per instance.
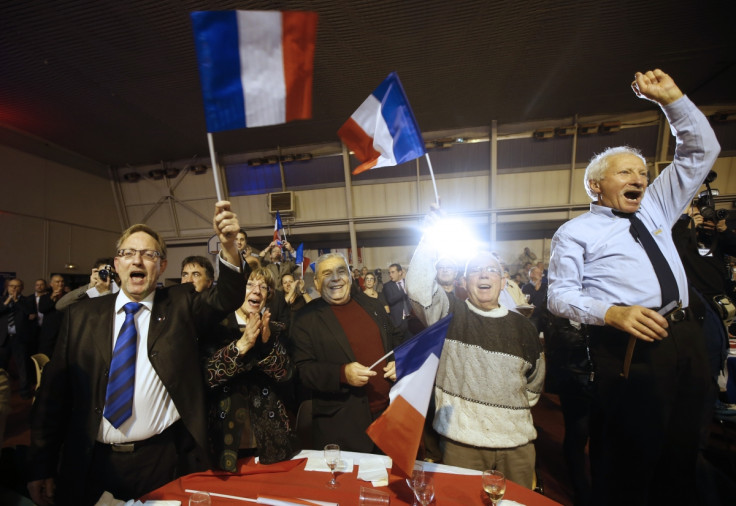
(424, 490)
(199, 499)
(494, 484)
(332, 458)
(417, 476)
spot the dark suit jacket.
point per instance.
(279, 270)
(397, 301)
(51, 324)
(21, 309)
(340, 412)
(68, 410)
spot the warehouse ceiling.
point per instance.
(112, 83)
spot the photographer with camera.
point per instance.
(703, 242)
(101, 282)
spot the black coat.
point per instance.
(341, 413)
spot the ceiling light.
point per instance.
(588, 129)
(610, 127)
(156, 174)
(723, 116)
(198, 169)
(567, 131)
(544, 133)
(132, 177)
(171, 173)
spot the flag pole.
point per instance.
(381, 359)
(434, 183)
(215, 171)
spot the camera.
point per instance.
(706, 203)
(105, 273)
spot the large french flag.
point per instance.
(398, 430)
(383, 131)
(256, 67)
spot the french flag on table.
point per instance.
(256, 67)
(383, 131)
(398, 430)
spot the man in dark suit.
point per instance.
(78, 442)
(51, 315)
(36, 316)
(336, 339)
(395, 294)
(14, 329)
(272, 258)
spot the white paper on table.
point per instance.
(509, 502)
(107, 499)
(373, 469)
(282, 501)
(317, 463)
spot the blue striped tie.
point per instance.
(121, 384)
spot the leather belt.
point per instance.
(131, 446)
(678, 315)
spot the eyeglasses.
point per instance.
(255, 286)
(147, 254)
(476, 270)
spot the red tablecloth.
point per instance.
(289, 479)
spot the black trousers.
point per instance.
(129, 475)
(645, 429)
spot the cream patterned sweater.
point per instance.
(492, 367)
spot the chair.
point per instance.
(39, 360)
(303, 425)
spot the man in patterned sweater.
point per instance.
(491, 371)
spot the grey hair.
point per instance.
(599, 164)
(327, 256)
(483, 252)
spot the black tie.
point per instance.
(11, 316)
(667, 282)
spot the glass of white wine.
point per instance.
(424, 490)
(494, 484)
(417, 476)
(332, 459)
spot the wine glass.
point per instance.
(494, 484)
(424, 490)
(332, 458)
(417, 476)
(199, 499)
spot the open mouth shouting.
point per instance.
(634, 196)
(254, 302)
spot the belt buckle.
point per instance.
(123, 447)
(677, 315)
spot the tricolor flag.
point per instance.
(278, 229)
(255, 66)
(398, 430)
(301, 260)
(383, 131)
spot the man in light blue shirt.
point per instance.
(650, 370)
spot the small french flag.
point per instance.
(383, 130)
(255, 67)
(398, 430)
(278, 229)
